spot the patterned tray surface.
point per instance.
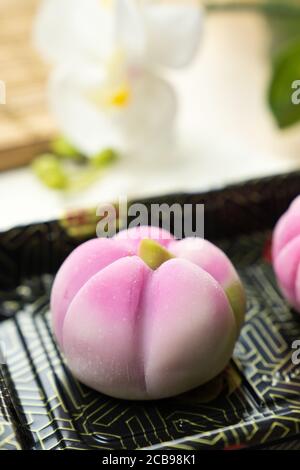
(260, 386)
(256, 401)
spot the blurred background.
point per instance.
(234, 122)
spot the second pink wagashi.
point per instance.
(286, 253)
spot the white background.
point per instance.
(225, 131)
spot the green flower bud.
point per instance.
(63, 148)
(49, 170)
(104, 158)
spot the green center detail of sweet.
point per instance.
(153, 254)
(236, 297)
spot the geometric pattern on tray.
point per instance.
(261, 405)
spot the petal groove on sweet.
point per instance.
(104, 350)
(207, 256)
(214, 261)
(188, 338)
(84, 262)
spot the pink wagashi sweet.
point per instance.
(286, 253)
(144, 316)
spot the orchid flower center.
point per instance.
(116, 90)
(112, 96)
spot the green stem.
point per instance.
(270, 8)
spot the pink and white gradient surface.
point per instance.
(136, 333)
(286, 253)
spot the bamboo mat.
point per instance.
(25, 124)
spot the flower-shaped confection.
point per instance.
(144, 316)
(286, 253)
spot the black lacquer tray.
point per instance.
(255, 402)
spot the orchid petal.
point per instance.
(66, 29)
(150, 115)
(130, 29)
(79, 119)
(173, 30)
(143, 122)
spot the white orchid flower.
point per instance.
(105, 90)
(119, 106)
